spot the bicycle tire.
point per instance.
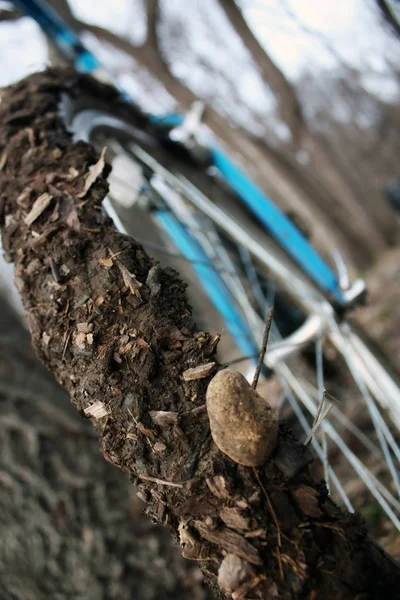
(51, 86)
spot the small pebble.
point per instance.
(243, 425)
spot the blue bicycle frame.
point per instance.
(276, 223)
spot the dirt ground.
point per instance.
(381, 317)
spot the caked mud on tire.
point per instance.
(116, 330)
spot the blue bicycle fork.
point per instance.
(210, 279)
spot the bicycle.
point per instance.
(198, 206)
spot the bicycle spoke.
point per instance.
(384, 435)
(320, 452)
(321, 394)
(386, 501)
(252, 272)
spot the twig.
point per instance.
(275, 520)
(263, 348)
(160, 481)
(66, 344)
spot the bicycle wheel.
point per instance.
(312, 349)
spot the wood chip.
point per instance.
(306, 498)
(164, 418)
(130, 280)
(96, 410)
(80, 341)
(234, 518)
(256, 533)
(200, 506)
(149, 433)
(23, 197)
(85, 327)
(230, 541)
(199, 372)
(219, 486)
(38, 207)
(159, 447)
(93, 174)
(247, 586)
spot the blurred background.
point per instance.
(305, 95)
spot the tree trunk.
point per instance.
(116, 331)
(352, 208)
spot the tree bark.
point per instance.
(116, 331)
(352, 207)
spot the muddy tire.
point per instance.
(122, 348)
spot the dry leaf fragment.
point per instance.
(3, 159)
(96, 410)
(106, 262)
(38, 207)
(199, 372)
(93, 174)
(130, 280)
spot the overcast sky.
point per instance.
(351, 27)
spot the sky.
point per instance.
(350, 26)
